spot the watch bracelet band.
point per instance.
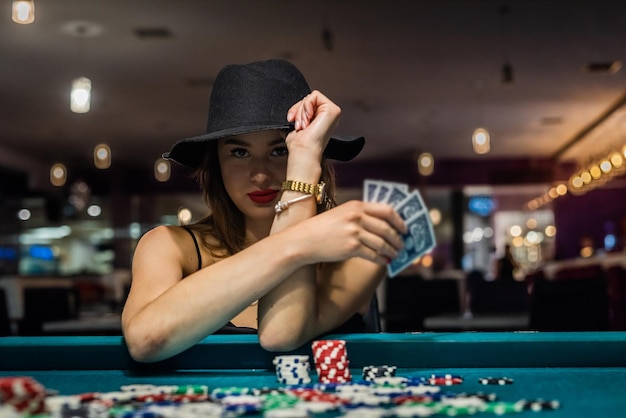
(298, 186)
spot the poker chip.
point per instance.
(292, 369)
(331, 361)
(373, 372)
(495, 381)
(489, 397)
(501, 408)
(24, 394)
(444, 380)
(539, 405)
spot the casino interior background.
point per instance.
(416, 78)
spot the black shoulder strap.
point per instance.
(195, 241)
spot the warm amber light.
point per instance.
(617, 160)
(162, 170)
(595, 172)
(561, 189)
(102, 156)
(481, 141)
(23, 11)
(426, 164)
(586, 252)
(435, 216)
(58, 175)
(577, 182)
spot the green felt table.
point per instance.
(585, 371)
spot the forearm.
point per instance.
(286, 312)
(203, 302)
(344, 289)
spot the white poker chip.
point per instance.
(410, 411)
(366, 413)
(137, 388)
(286, 413)
(390, 380)
(55, 403)
(422, 389)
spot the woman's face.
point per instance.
(253, 168)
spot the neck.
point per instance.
(257, 230)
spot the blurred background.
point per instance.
(508, 117)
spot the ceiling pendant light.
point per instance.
(58, 175)
(102, 156)
(162, 170)
(80, 97)
(23, 11)
(481, 141)
(426, 164)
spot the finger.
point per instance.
(370, 254)
(390, 241)
(387, 213)
(383, 249)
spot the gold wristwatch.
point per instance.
(317, 190)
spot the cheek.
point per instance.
(279, 170)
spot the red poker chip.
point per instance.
(442, 381)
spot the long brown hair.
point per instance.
(223, 231)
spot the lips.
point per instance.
(263, 196)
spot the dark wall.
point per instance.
(591, 215)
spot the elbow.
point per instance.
(143, 346)
(279, 340)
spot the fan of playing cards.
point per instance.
(420, 238)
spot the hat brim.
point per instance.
(189, 152)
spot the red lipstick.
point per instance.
(263, 196)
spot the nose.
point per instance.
(260, 173)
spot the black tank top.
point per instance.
(355, 324)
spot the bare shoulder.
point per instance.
(166, 244)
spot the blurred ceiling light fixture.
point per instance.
(162, 170)
(481, 141)
(184, 216)
(80, 97)
(23, 11)
(58, 175)
(426, 164)
(102, 156)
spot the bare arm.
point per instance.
(360, 239)
(164, 314)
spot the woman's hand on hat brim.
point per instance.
(315, 117)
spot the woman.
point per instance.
(268, 239)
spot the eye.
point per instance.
(280, 151)
(239, 152)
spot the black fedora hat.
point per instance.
(255, 97)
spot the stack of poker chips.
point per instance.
(331, 361)
(23, 394)
(292, 369)
(372, 372)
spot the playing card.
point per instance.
(396, 195)
(410, 205)
(370, 188)
(384, 190)
(420, 237)
(419, 240)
